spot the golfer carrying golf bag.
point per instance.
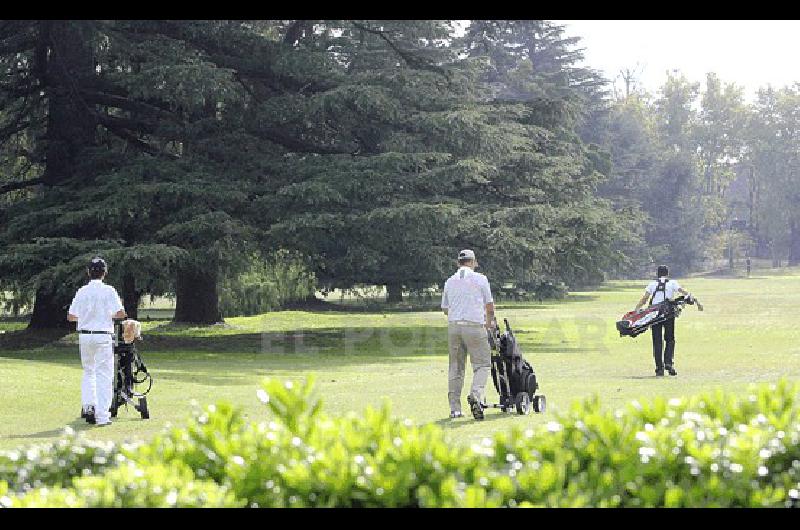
(94, 307)
(467, 302)
(657, 291)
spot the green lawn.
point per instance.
(746, 334)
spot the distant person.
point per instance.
(657, 291)
(94, 307)
(467, 302)
(749, 267)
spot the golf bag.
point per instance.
(131, 380)
(635, 323)
(513, 376)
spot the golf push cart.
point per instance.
(132, 380)
(635, 323)
(512, 375)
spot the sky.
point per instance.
(750, 53)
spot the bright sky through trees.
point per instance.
(751, 53)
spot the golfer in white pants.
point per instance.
(467, 302)
(94, 307)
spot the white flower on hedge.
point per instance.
(553, 426)
(692, 416)
(701, 436)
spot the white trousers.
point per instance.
(97, 358)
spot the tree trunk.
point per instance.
(196, 297)
(130, 296)
(70, 126)
(794, 244)
(49, 312)
(394, 293)
(731, 255)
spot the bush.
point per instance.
(56, 464)
(268, 283)
(716, 449)
(132, 486)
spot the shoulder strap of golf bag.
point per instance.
(662, 286)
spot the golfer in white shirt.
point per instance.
(657, 291)
(94, 307)
(467, 302)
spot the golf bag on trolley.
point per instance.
(131, 378)
(513, 376)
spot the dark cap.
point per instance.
(98, 264)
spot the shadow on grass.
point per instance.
(654, 376)
(622, 286)
(547, 304)
(25, 339)
(364, 306)
(77, 425)
(489, 415)
(232, 360)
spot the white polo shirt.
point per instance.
(669, 289)
(465, 296)
(95, 304)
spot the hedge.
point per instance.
(716, 449)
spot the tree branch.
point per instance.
(11, 129)
(117, 129)
(16, 91)
(20, 185)
(125, 103)
(253, 67)
(17, 43)
(297, 145)
(409, 58)
(118, 122)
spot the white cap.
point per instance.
(466, 254)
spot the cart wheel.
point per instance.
(539, 403)
(523, 403)
(531, 384)
(143, 410)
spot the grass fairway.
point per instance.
(746, 334)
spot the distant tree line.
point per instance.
(713, 173)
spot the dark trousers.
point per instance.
(667, 329)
